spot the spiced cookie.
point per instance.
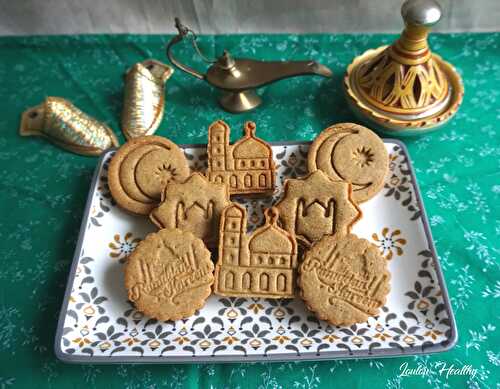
(169, 275)
(317, 205)
(140, 170)
(261, 264)
(344, 279)
(193, 205)
(351, 153)
(247, 166)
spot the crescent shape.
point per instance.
(127, 173)
(325, 145)
(122, 172)
(325, 154)
(325, 148)
(355, 185)
(328, 148)
(358, 187)
(332, 163)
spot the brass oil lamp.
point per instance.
(237, 78)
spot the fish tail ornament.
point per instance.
(65, 125)
(144, 98)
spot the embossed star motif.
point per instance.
(363, 156)
(166, 172)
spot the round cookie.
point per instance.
(344, 279)
(140, 170)
(169, 275)
(351, 153)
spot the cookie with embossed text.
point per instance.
(344, 279)
(169, 275)
(351, 153)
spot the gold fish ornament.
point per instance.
(144, 98)
(65, 125)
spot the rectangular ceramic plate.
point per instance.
(98, 324)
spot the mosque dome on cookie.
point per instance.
(270, 240)
(250, 146)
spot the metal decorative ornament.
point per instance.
(238, 78)
(144, 98)
(405, 89)
(66, 126)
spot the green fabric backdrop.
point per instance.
(43, 191)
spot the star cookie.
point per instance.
(193, 205)
(317, 205)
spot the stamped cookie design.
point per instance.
(141, 169)
(194, 205)
(247, 167)
(169, 275)
(344, 279)
(261, 264)
(351, 153)
(317, 205)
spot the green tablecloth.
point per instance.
(43, 191)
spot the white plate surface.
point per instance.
(98, 324)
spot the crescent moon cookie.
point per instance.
(351, 153)
(344, 279)
(169, 275)
(140, 170)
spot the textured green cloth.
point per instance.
(43, 191)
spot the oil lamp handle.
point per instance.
(183, 31)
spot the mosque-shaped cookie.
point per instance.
(247, 166)
(261, 264)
